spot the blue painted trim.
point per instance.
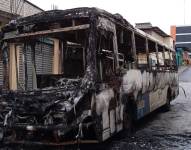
(141, 112)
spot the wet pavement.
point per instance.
(164, 130)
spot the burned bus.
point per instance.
(104, 75)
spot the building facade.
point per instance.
(10, 10)
(157, 33)
(182, 36)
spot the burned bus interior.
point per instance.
(72, 44)
(61, 67)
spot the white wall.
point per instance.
(157, 36)
(24, 9)
(5, 5)
(167, 40)
(28, 10)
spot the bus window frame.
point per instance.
(103, 54)
(145, 51)
(161, 67)
(126, 51)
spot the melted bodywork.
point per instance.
(89, 107)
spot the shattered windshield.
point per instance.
(74, 61)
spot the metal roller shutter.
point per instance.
(43, 58)
(29, 76)
(1, 73)
(43, 61)
(21, 75)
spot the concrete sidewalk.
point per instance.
(181, 69)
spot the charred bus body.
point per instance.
(107, 74)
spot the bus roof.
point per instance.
(59, 15)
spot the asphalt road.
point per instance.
(164, 131)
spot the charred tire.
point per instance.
(167, 106)
(128, 120)
(98, 128)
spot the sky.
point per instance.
(161, 13)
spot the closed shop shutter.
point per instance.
(43, 61)
(29, 76)
(44, 58)
(21, 74)
(1, 73)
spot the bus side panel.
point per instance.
(158, 98)
(143, 105)
(149, 102)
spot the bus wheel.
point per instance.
(166, 107)
(127, 121)
(98, 128)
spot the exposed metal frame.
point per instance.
(48, 32)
